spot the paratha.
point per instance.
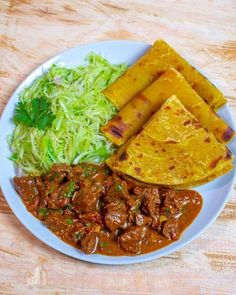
(136, 113)
(150, 66)
(173, 149)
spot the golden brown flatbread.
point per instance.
(150, 66)
(174, 149)
(135, 114)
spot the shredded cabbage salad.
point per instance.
(79, 109)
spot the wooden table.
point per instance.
(33, 31)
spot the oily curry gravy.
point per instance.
(96, 210)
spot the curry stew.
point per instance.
(98, 211)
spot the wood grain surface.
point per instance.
(33, 31)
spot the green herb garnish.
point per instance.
(107, 171)
(88, 224)
(71, 190)
(69, 206)
(69, 221)
(118, 187)
(51, 189)
(43, 211)
(167, 210)
(78, 236)
(35, 113)
(104, 244)
(54, 176)
(88, 170)
(135, 209)
(86, 173)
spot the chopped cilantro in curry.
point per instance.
(118, 187)
(43, 211)
(71, 190)
(69, 221)
(78, 236)
(104, 244)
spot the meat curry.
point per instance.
(98, 211)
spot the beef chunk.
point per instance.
(88, 172)
(173, 201)
(58, 188)
(139, 191)
(29, 189)
(116, 189)
(58, 173)
(112, 195)
(76, 173)
(86, 200)
(59, 197)
(170, 229)
(151, 205)
(115, 220)
(90, 218)
(133, 208)
(133, 239)
(141, 220)
(115, 209)
(55, 221)
(89, 243)
(151, 201)
(115, 216)
(82, 229)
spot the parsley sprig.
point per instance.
(37, 113)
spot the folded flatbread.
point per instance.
(173, 149)
(150, 66)
(131, 118)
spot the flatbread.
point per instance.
(174, 149)
(131, 118)
(150, 66)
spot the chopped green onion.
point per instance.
(88, 170)
(43, 211)
(71, 190)
(69, 206)
(88, 224)
(104, 244)
(77, 236)
(86, 173)
(135, 209)
(118, 187)
(69, 221)
(167, 210)
(107, 171)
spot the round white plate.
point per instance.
(215, 194)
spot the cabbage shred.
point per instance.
(80, 109)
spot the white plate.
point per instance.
(215, 194)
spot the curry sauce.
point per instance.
(98, 211)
